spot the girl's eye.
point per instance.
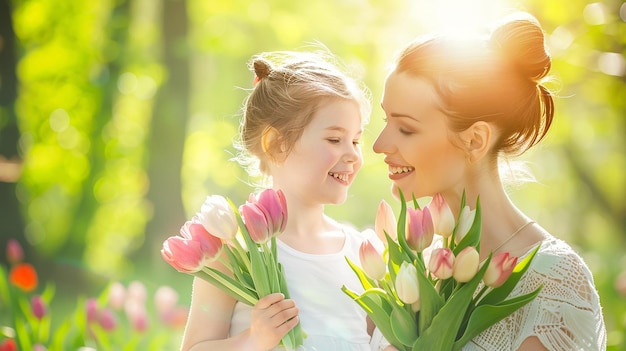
(406, 132)
(333, 140)
(356, 142)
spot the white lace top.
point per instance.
(565, 316)
(331, 320)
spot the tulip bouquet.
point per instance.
(424, 297)
(244, 241)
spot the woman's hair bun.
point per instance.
(262, 68)
(521, 40)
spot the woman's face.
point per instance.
(416, 140)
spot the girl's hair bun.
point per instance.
(262, 68)
(520, 39)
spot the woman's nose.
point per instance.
(382, 144)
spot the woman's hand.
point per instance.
(272, 317)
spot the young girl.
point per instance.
(453, 108)
(301, 127)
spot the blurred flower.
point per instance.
(371, 260)
(15, 254)
(39, 347)
(466, 265)
(441, 263)
(107, 320)
(8, 345)
(500, 268)
(407, 286)
(165, 300)
(419, 228)
(466, 219)
(385, 222)
(137, 291)
(91, 307)
(23, 276)
(117, 295)
(443, 219)
(218, 217)
(38, 306)
(183, 254)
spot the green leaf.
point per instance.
(228, 285)
(431, 301)
(402, 230)
(445, 325)
(500, 293)
(485, 316)
(403, 325)
(375, 302)
(366, 281)
(472, 238)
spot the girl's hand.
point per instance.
(272, 317)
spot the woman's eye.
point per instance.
(406, 132)
(333, 140)
(356, 142)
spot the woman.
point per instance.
(453, 109)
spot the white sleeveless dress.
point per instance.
(331, 320)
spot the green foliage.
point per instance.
(89, 73)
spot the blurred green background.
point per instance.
(117, 119)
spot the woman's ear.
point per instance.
(477, 140)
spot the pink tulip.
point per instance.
(218, 217)
(419, 228)
(210, 245)
(107, 320)
(371, 261)
(466, 219)
(500, 268)
(117, 294)
(92, 310)
(184, 255)
(385, 222)
(257, 222)
(466, 265)
(441, 263)
(137, 315)
(275, 205)
(406, 284)
(165, 299)
(38, 306)
(443, 219)
(15, 254)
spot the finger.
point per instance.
(288, 325)
(269, 300)
(284, 315)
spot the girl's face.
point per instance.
(325, 160)
(416, 140)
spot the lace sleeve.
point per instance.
(565, 316)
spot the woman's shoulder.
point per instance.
(558, 257)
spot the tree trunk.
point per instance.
(168, 135)
(11, 222)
